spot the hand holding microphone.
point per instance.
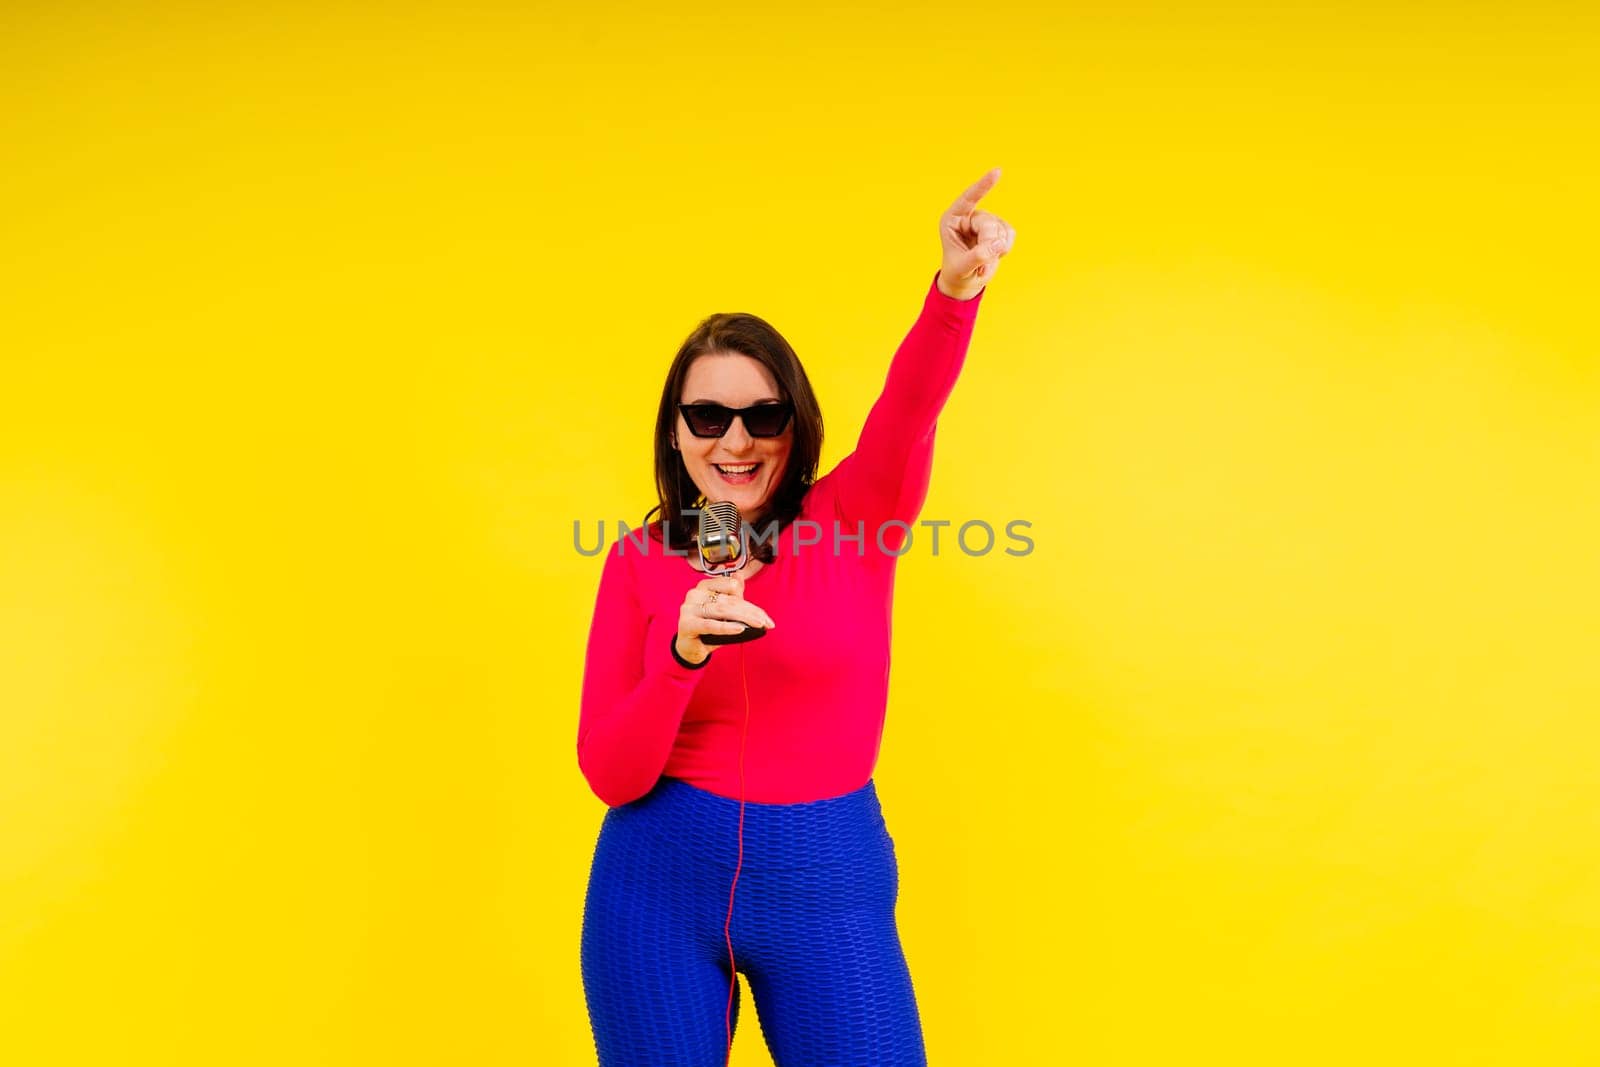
(715, 612)
(713, 608)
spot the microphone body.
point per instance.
(721, 542)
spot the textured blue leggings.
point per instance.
(813, 932)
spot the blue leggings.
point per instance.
(813, 932)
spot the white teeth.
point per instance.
(743, 469)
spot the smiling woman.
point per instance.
(752, 770)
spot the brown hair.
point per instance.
(751, 336)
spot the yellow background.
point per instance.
(320, 325)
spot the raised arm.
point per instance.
(886, 477)
(634, 691)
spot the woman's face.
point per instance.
(737, 381)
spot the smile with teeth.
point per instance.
(737, 473)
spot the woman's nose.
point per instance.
(736, 439)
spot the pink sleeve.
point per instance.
(634, 690)
(887, 475)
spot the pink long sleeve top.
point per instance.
(818, 682)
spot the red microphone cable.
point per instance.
(727, 926)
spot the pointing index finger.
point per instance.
(968, 200)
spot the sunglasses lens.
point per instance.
(707, 420)
(766, 420)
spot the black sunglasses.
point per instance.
(760, 420)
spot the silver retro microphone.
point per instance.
(722, 551)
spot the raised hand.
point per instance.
(973, 241)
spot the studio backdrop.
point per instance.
(332, 334)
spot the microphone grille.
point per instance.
(720, 538)
(724, 515)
